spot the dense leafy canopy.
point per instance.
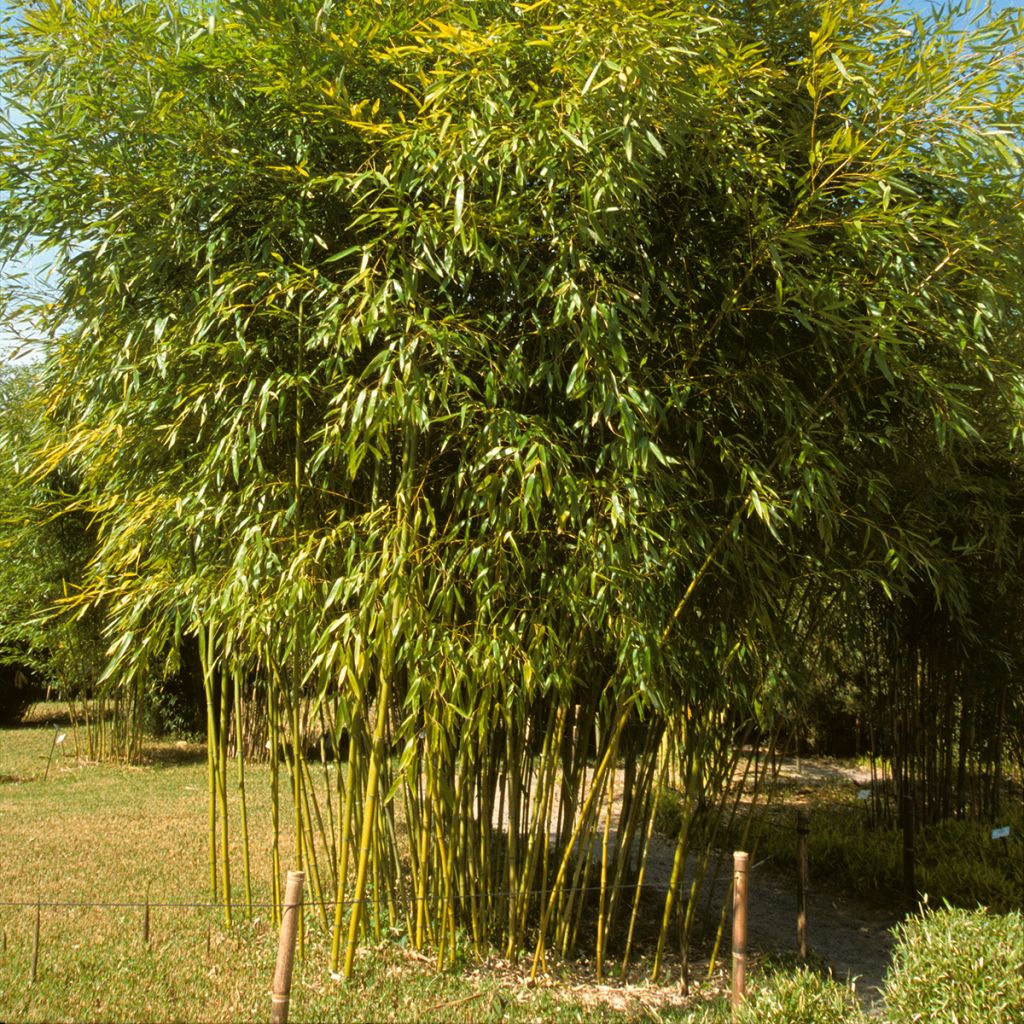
(466, 361)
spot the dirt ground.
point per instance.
(850, 936)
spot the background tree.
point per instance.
(46, 543)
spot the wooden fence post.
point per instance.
(739, 930)
(281, 992)
(803, 828)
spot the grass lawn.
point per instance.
(108, 834)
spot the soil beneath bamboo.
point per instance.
(849, 936)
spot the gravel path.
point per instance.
(849, 935)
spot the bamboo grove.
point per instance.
(519, 408)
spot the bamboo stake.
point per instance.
(739, 931)
(281, 991)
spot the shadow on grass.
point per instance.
(169, 756)
(44, 713)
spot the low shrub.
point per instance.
(955, 965)
(957, 861)
(963, 865)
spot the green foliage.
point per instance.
(458, 369)
(27, 564)
(45, 543)
(547, 261)
(956, 861)
(958, 965)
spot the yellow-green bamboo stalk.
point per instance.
(369, 813)
(296, 770)
(423, 873)
(538, 844)
(678, 860)
(638, 891)
(332, 826)
(468, 848)
(577, 889)
(212, 751)
(343, 855)
(604, 883)
(312, 859)
(584, 817)
(393, 864)
(296, 662)
(243, 810)
(640, 806)
(103, 726)
(222, 788)
(513, 787)
(275, 795)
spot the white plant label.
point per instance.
(1001, 833)
(863, 794)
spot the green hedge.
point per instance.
(960, 966)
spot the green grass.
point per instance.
(789, 994)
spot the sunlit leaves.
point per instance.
(505, 358)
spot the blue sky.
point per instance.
(37, 266)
